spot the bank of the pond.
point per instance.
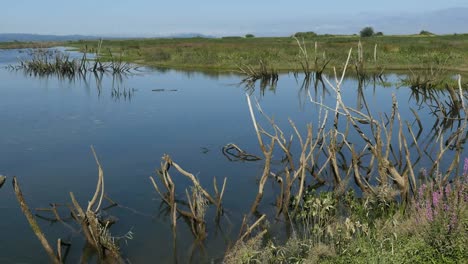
(282, 53)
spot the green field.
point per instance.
(282, 53)
(27, 45)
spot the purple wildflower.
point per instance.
(453, 220)
(448, 190)
(429, 214)
(436, 198)
(421, 191)
(465, 167)
(446, 207)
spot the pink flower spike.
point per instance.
(465, 167)
(448, 190)
(429, 215)
(435, 199)
(422, 189)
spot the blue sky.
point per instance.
(146, 17)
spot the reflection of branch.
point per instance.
(57, 217)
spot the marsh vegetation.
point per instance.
(394, 52)
(43, 62)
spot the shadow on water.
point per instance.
(445, 105)
(190, 73)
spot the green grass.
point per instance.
(282, 53)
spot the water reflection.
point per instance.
(214, 75)
(445, 105)
(76, 68)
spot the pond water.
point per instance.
(48, 125)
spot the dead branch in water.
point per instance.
(267, 152)
(94, 228)
(385, 151)
(96, 234)
(198, 198)
(295, 171)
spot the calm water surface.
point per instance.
(48, 125)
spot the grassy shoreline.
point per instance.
(29, 45)
(414, 52)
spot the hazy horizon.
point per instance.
(146, 18)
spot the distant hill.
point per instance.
(188, 35)
(11, 37)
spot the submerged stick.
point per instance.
(32, 222)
